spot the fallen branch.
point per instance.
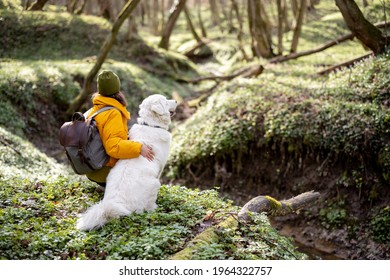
(325, 46)
(5, 143)
(246, 72)
(344, 64)
(258, 204)
(274, 207)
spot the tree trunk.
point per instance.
(261, 38)
(280, 8)
(72, 7)
(38, 6)
(154, 18)
(82, 7)
(26, 4)
(294, 8)
(105, 49)
(214, 12)
(366, 32)
(174, 15)
(298, 27)
(202, 28)
(131, 25)
(106, 9)
(287, 24)
(162, 15)
(240, 28)
(223, 6)
(191, 26)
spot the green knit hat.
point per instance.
(108, 83)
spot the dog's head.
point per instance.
(157, 110)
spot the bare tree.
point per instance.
(38, 6)
(191, 26)
(105, 49)
(281, 13)
(240, 29)
(26, 4)
(202, 28)
(106, 9)
(154, 17)
(162, 14)
(214, 12)
(259, 29)
(75, 7)
(177, 7)
(298, 26)
(366, 32)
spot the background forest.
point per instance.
(277, 98)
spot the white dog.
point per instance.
(133, 184)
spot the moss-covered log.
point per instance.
(259, 204)
(274, 207)
(208, 236)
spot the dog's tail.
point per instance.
(98, 215)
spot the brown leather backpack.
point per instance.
(83, 145)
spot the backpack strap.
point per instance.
(101, 110)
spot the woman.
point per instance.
(112, 126)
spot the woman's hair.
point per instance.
(120, 97)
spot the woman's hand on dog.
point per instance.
(147, 152)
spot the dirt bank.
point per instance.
(336, 227)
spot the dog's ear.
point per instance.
(157, 109)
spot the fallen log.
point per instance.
(274, 207)
(246, 72)
(344, 64)
(260, 204)
(323, 47)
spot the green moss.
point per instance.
(275, 204)
(43, 35)
(19, 158)
(384, 163)
(345, 114)
(11, 4)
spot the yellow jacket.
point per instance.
(113, 129)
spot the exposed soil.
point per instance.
(347, 238)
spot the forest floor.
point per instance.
(345, 237)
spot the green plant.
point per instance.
(334, 215)
(380, 225)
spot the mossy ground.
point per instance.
(41, 199)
